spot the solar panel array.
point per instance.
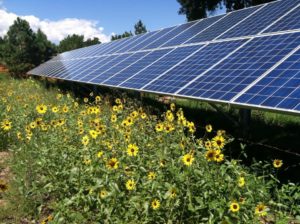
(249, 57)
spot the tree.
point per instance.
(45, 49)
(124, 35)
(18, 48)
(90, 41)
(75, 41)
(139, 28)
(71, 42)
(197, 9)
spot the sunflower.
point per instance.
(172, 193)
(98, 99)
(6, 125)
(208, 128)
(132, 150)
(94, 134)
(55, 109)
(169, 116)
(113, 163)
(207, 144)
(219, 157)
(241, 182)
(85, 99)
(103, 194)
(100, 154)
(113, 118)
(159, 127)
(143, 115)
(65, 109)
(234, 207)
(3, 186)
(155, 204)
(33, 125)
(261, 210)
(218, 142)
(188, 159)
(130, 185)
(277, 163)
(118, 101)
(168, 128)
(85, 140)
(41, 109)
(151, 176)
(210, 155)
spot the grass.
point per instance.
(60, 176)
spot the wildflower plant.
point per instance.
(99, 160)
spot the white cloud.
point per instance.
(55, 30)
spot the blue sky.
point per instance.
(110, 16)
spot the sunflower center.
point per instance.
(234, 206)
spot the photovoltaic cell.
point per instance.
(279, 89)
(179, 29)
(140, 39)
(260, 20)
(289, 22)
(153, 71)
(224, 24)
(243, 67)
(106, 64)
(116, 67)
(183, 73)
(151, 39)
(193, 30)
(136, 67)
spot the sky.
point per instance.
(91, 18)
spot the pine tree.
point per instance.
(139, 28)
(18, 48)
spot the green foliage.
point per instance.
(57, 173)
(22, 49)
(19, 47)
(197, 9)
(139, 28)
(72, 42)
(120, 36)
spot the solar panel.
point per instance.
(145, 76)
(115, 66)
(135, 67)
(176, 31)
(278, 89)
(236, 72)
(223, 25)
(199, 27)
(289, 22)
(262, 19)
(249, 57)
(192, 67)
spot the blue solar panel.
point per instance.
(289, 22)
(243, 67)
(68, 67)
(224, 24)
(192, 31)
(115, 67)
(183, 73)
(260, 20)
(136, 67)
(279, 89)
(87, 66)
(179, 29)
(106, 64)
(151, 39)
(139, 40)
(153, 71)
